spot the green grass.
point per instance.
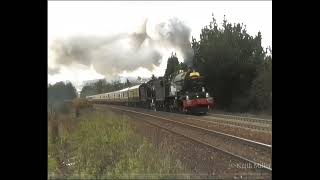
(103, 145)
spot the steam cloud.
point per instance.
(123, 52)
(53, 70)
(177, 34)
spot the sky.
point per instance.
(92, 22)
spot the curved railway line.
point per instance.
(248, 151)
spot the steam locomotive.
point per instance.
(184, 92)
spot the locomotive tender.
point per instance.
(184, 92)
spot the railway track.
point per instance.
(248, 151)
(242, 118)
(246, 131)
(249, 124)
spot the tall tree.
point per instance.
(172, 66)
(128, 83)
(87, 90)
(230, 59)
(59, 92)
(99, 86)
(261, 92)
(71, 92)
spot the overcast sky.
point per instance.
(106, 18)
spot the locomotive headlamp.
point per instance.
(207, 95)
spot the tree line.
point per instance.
(59, 92)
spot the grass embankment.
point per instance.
(103, 145)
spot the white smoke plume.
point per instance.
(112, 55)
